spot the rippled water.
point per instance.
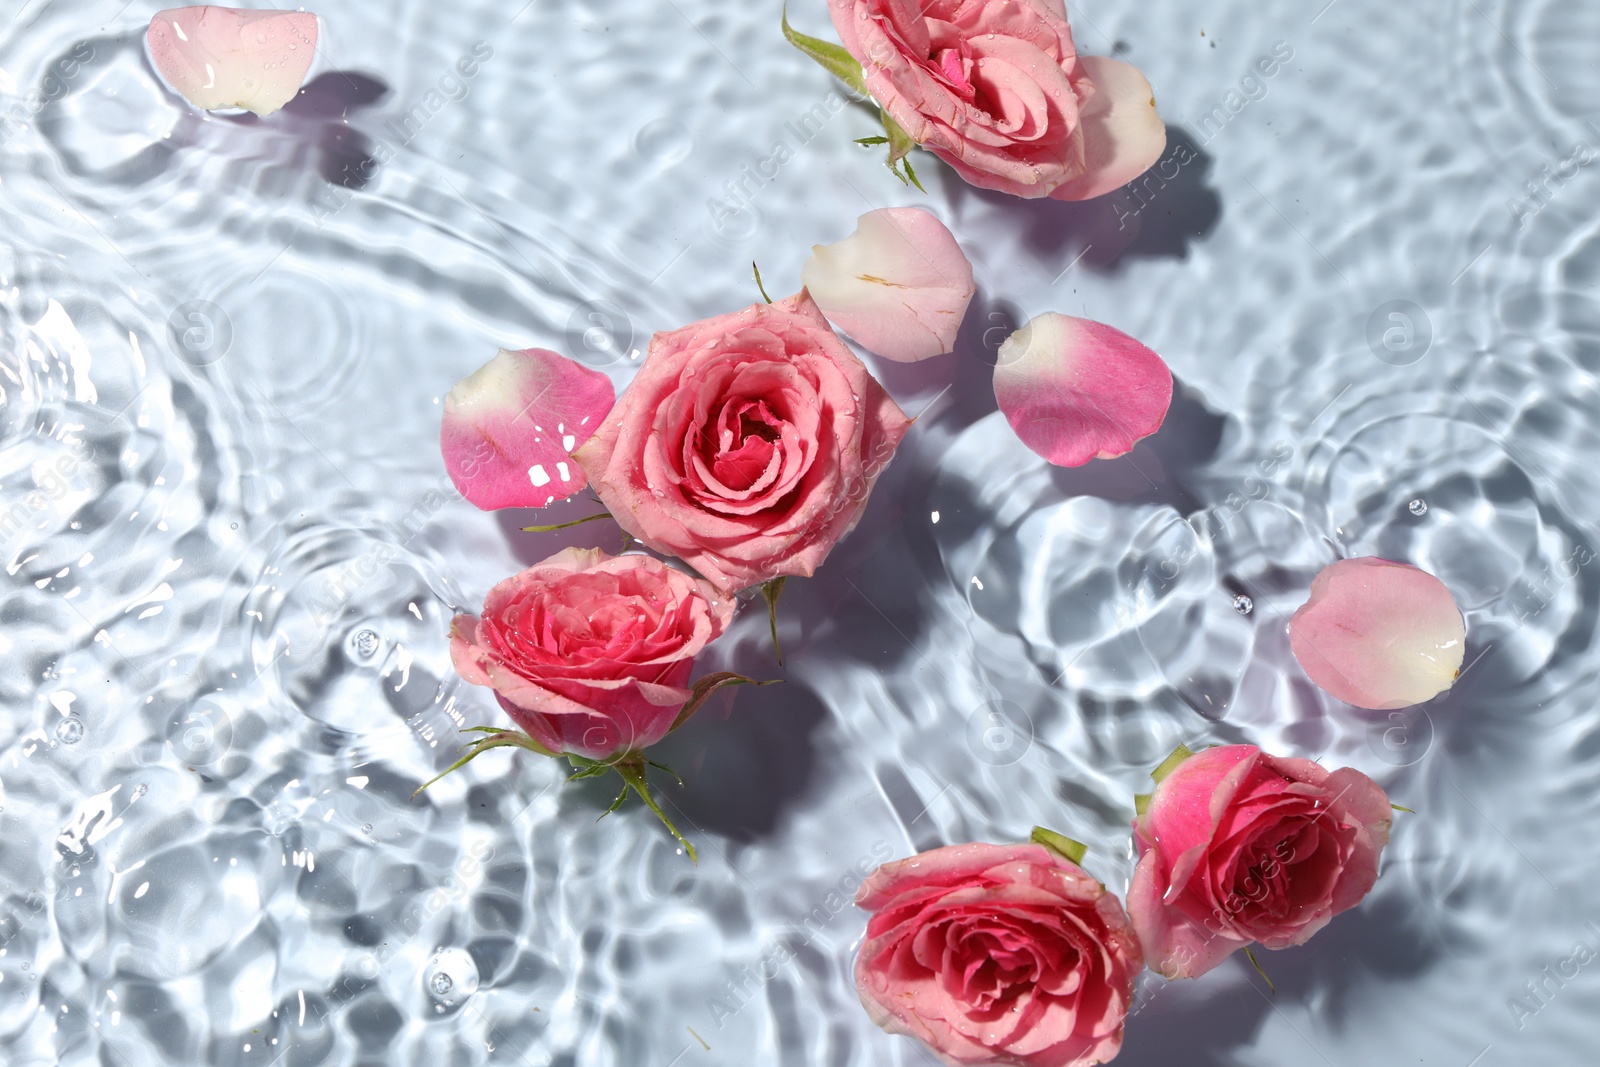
(232, 552)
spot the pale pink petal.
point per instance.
(222, 57)
(1175, 946)
(511, 426)
(899, 285)
(1379, 634)
(1074, 389)
(1123, 136)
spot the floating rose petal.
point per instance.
(1379, 634)
(1122, 134)
(221, 57)
(510, 428)
(1074, 389)
(899, 285)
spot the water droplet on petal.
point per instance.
(1418, 507)
(1243, 604)
(70, 730)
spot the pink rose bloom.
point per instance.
(997, 954)
(591, 653)
(998, 91)
(747, 445)
(1239, 847)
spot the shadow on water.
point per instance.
(1156, 216)
(745, 757)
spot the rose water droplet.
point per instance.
(1418, 507)
(442, 984)
(70, 730)
(366, 828)
(1243, 604)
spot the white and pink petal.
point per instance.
(511, 426)
(1075, 389)
(899, 285)
(223, 57)
(1121, 132)
(1379, 634)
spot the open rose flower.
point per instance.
(591, 653)
(998, 91)
(1239, 847)
(746, 445)
(994, 954)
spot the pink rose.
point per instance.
(1239, 847)
(997, 954)
(747, 444)
(999, 92)
(591, 653)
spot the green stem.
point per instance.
(565, 525)
(1257, 965)
(493, 738)
(763, 288)
(771, 590)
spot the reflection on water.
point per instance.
(232, 553)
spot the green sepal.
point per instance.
(565, 525)
(615, 804)
(493, 737)
(1399, 807)
(832, 57)
(911, 173)
(763, 288)
(1060, 844)
(586, 768)
(771, 590)
(900, 144)
(1141, 803)
(1170, 764)
(701, 692)
(1257, 965)
(632, 771)
(866, 142)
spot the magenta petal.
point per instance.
(1074, 389)
(899, 285)
(1123, 136)
(1379, 634)
(221, 57)
(511, 426)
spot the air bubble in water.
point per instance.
(1418, 507)
(70, 730)
(1243, 604)
(365, 643)
(450, 976)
